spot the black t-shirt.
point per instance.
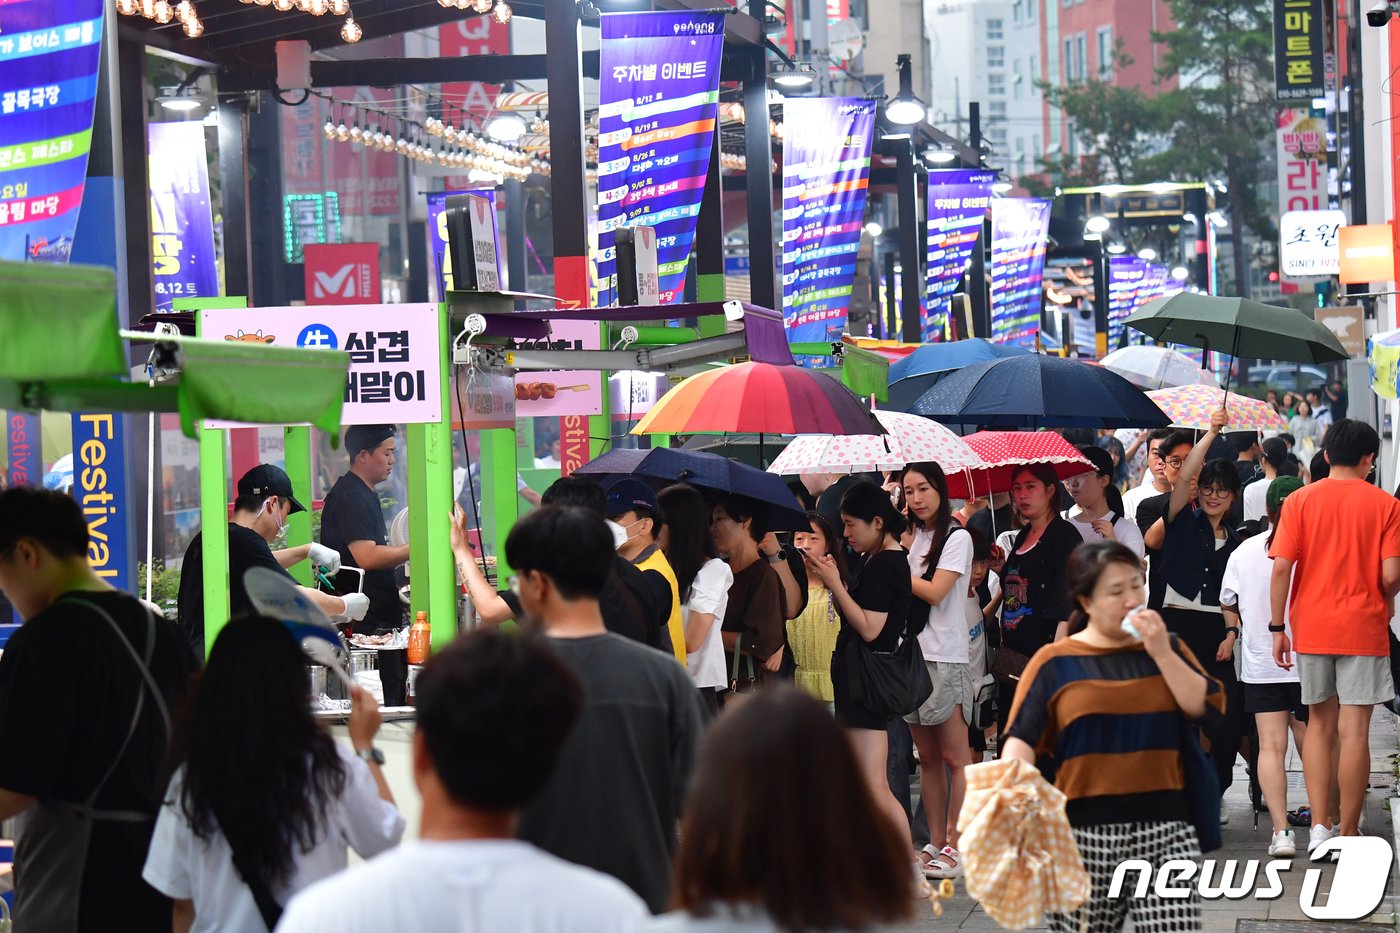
(1149, 510)
(614, 799)
(881, 584)
(630, 604)
(982, 521)
(246, 549)
(68, 692)
(1035, 599)
(352, 513)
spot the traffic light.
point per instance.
(1273, 276)
(1324, 293)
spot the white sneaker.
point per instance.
(1224, 814)
(1318, 835)
(1282, 845)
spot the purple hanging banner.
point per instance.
(24, 444)
(658, 96)
(1125, 275)
(1019, 229)
(182, 224)
(958, 200)
(49, 54)
(826, 171)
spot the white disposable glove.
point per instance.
(327, 557)
(356, 605)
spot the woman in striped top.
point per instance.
(1103, 710)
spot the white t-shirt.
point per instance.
(468, 885)
(181, 865)
(1125, 530)
(1256, 500)
(1248, 576)
(944, 638)
(1134, 497)
(709, 593)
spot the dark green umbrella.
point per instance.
(1239, 327)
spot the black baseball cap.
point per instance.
(366, 437)
(1100, 458)
(268, 480)
(629, 494)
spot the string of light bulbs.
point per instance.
(162, 12)
(499, 9)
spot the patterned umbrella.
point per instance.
(760, 398)
(1191, 407)
(1004, 451)
(1157, 367)
(911, 440)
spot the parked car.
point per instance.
(1287, 377)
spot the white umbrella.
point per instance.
(911, 439)
(1150, 367)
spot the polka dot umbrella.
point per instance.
(911, 439)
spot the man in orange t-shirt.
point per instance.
(1338, 540)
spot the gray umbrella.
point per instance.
(1239, 327)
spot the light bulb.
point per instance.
(501, 14)
(126, 7)
(482, 6)
(193, 28)
(328, 128)
(446, 4)
(356, 133)
(185, 11)
(342, 132)
(283, 6)
(164, 12)
(263, 2)
(148, 9)
(340, 7)
(464, 4)
(304, 5)
(351, 31)
(319, 7)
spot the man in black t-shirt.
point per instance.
(352, 523)
(260, 514)
(86, 689)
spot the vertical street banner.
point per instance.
(1300, 44)
(958, 201)
(1019, 228)
(1301, 145)
(182, 224)
(1125, 276)
(48, 85)
(24, 443)
(826, 171)
(658, 96)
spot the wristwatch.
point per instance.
(1232, 628)
(371, 754)
(1277, 629)
(778, 558)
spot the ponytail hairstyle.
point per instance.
(1086, 564)
(866, 501)
(942, 519)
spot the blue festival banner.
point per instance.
(437, 237)
(826, 172)
(49, 55)
(182, 222)
(1125, 275)
(99, 477)
(658, 97)
(958, 201)
(1019, 229)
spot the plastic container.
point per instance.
(419, 639)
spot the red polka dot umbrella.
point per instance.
(1004, 451)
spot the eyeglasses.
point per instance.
(1213, 492)
(1174, 462)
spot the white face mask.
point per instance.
(276, 519)
(619, 533)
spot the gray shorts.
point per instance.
(952, 688)
(1355, 680)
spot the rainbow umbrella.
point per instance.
(759, 398)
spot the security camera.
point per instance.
(1380, 14)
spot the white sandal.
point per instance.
(953, 869)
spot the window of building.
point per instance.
(996, 85)
(1020, 156)
(996, 30)
(1030, 10)
(1081, 56)
(997, 109)
(1070, 75)
(997, 136)
(1034, 69)
(996, 56)
(1104, 41)
(1017, 79)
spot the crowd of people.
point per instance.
(681, 731)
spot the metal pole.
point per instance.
(908, 242)
(891, 298)
(1356, 131)
(759, 154)
(515, 235)
(1100, 300)
(977, 270)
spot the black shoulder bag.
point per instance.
(891, 683)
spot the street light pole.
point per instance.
(906, 179)
(977, 270)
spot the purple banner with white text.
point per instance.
(1125, 275)
(49, 55)
(182, 225)
(658, 96)
(826, 172)
(1019, 228)
(958, 201)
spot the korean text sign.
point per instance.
(1019, 228)
(49, 55)
(1125, 282)
(958, 202)
(395, 353)
(1308, 242)
(1301, 142)
(1300, 41)
(657, 103)
(182, 226)
(826, 172)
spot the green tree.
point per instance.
(1223, 111)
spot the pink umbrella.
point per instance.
(1191, 407)
(911, 439)
(1004, 451)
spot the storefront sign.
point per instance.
(342, 273)
(1125, 280)
(1385, 357)
(99, 473)
(1301, 144)
(1300, 41)
(24, 443)
(658, 97)
(1367, 254)
(1348, 324)
(1308, 242)
(48, 82)
(182, 226)
(826, 172)
(958, 202)
(395, 353)
(1019, 228)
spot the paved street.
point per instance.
(1242, 841)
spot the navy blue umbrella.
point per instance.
(1037, 391)
(918, 372)
(662, 466)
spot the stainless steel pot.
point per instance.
(316, 674)
(363, 661)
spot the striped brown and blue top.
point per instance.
(1105, 725)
